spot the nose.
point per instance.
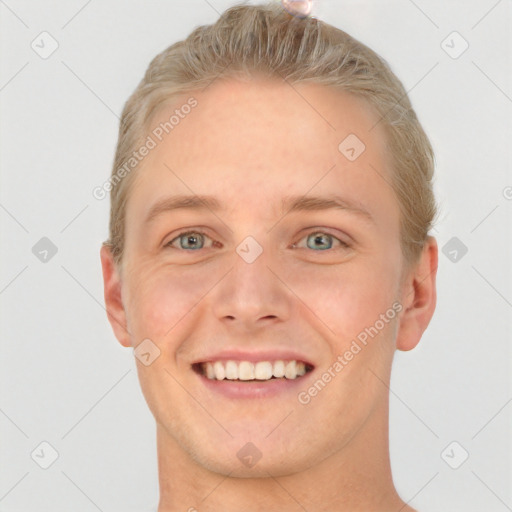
(252, 295)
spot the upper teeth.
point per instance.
(246, 370)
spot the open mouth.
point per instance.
(247, 371)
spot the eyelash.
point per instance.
(343, 244)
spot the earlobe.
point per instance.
(418, 298)
(112, 294)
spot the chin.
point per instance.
(276, 466)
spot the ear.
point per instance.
(112, 294)
(418, 297)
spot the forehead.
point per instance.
(250, 143)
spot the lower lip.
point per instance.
(256, 389)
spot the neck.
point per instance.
(355, 478)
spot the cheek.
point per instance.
(350, 297)
(160, 300)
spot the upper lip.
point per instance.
(254, 356)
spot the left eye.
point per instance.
(190, 240)
(319, 239)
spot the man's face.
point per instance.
(322, 278)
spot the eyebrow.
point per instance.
(289, 204)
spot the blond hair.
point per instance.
(250, 40)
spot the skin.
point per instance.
(249, 144)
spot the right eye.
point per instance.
(189, 240)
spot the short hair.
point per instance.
(254, 40)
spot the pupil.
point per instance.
(191, 240)
(319, 240)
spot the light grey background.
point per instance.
(66, 381)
